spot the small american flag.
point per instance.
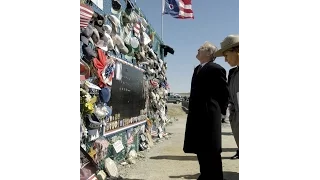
(86, 13)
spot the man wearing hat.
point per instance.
(208, 95)
(227, 107)
(230, 50)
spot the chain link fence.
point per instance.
(156, 47)
(107, 10)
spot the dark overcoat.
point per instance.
(234, 105)
(208, 93)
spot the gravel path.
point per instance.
(166, 160)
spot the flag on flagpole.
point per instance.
(180, 9)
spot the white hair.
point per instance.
(210, 48)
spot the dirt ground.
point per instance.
(166, 160)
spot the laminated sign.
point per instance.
(118, 146)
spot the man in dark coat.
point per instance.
(209, 93)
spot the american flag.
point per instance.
(180, 9)
(86, 13)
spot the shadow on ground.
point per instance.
(190, 158)
(227, 134)
(177, 158)
(185, 109)
(231, 175)
(195, 176)
(229, 149)
(121, 178)
(227, 175)
(228, 158)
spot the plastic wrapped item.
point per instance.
(100, 111)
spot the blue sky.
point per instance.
(214, 20)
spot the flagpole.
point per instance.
(162, 10)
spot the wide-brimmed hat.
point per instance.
(129, 7)
(115, 23)
(126, 19)
(106, 42)
(88, 31)
(98, 19)
(115, 7)
(114, 20)
(95, 36)
(110, 41)
(126, 34)
(88, 53)
(107, 28)
(228, 43)
(132, 45)
(120, 44)
(102, 45)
